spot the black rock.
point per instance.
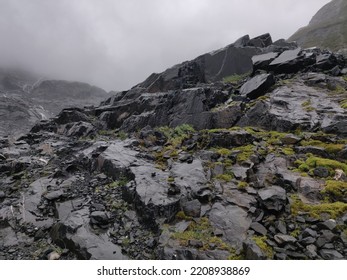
(262, 61)
(252, 251)
(307, 240)
(273, 198)
(287, 62)
(328, 224)
(281, 227)
(259, 228)
(309, 232)
(321, 172)
(257, 86)
(192, 208)
(283, 239)
(99, 218)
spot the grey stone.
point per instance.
(330, 254)
(309, 232)
(259, 228)
(99, 218)
(283, 239)
(311, 251)
(321, 172)
(308, 240)
(257, 86)
(232, 220)
(54, 195)
(192, 208)
(281, 227)
(252, 251)
(328, 224)
(273, 197)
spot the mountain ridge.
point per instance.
(327, 29)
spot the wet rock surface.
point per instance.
(187, 166)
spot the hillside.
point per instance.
(240, 153)
(26, 99)
(327, 29)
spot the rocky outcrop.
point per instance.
(189, 166)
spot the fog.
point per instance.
(116, 44)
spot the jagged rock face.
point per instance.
(26, 99)
(252, 167)
(327, 29)
(233, 59)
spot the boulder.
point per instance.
(257, 86)
(233, 221)
(273, 198)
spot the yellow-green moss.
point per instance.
(335, 189)
(201, 230)
(330, 164)
(225, 177)
(223, 152)
(343, 104)
(295, 233)
(334, 209)
(242, 185)
(234, 79)
(329, 147)
(170, 179)
(245, 152)
(288, 151)
(182, 216)
(261, 243)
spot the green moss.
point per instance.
(122, 135)
(335, 190)
(225, 177)
(306, 103)
(307, 106)
(171, 179)
(224, 152)
(329, 147)
(288, 151)
(295, 233)
(343, 104)
(235, 79)
(330, 164)
(201, 230)
(335, 209)
(261, 243)
(244, 152)
(242, 185)
(182, 216)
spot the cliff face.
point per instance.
(327, 29)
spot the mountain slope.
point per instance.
(26, 99)
(189, 166)
(327, 29)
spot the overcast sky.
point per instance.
(115, 44)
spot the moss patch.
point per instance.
(334, 209)
(329, 147)
(201, 230)
(264, 247)
(335, 190)
(235, 79)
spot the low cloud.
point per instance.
(116, 44)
